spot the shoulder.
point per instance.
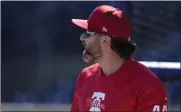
(86, 74)
(89, 71)
(143, 72)
(146, 78)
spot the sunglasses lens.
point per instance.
(86, 34)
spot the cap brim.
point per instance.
(80, 23)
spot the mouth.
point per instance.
(87, 57)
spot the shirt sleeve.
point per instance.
(153, 98)
(75, 103)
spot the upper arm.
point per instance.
(76, 97)
(153, 98)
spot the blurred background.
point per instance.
(41, 52)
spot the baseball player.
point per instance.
(113, 80)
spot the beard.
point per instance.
(88, 58)
(91, 57)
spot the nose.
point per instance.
(82, 37)
(83, 42)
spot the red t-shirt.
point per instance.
(133, 87)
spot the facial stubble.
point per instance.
(92, 54)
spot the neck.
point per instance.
(111, 63)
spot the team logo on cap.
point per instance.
(104, 29)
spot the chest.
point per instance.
(110, 95)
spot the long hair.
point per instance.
(125, 49)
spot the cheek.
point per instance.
(92, 44)
(89, 44)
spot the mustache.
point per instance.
(87, 52)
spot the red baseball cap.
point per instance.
(107, 20)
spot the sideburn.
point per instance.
(98, 51)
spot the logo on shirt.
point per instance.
(95, 102)
(158, 108)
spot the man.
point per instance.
(113, 81)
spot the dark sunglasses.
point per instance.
(87, 34)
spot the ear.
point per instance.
(107, 40)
